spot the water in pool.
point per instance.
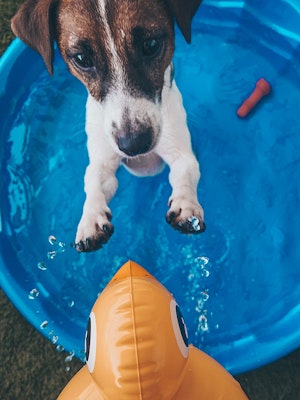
(226, 280)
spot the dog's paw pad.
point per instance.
(186, 216)
(192, 224)
(87, 245)
(88, 239)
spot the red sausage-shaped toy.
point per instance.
(262, 89)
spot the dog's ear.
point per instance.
(34, 24)
(183, 11)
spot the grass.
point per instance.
(7, 10)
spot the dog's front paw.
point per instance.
(186, 216)
(93, 231)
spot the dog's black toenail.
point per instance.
(79, 246)
(170, 217)
(105, 228)
(88, 244)
(109, 229)
(109, 216)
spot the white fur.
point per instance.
(139, 109)
(173, 147)
(115, 59)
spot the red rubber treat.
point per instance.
(262, 89)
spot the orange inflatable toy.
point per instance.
(137, 348)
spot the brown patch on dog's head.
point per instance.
(143, 34)
(34, 24)
(82, 43)
(183, 12)
(128, 43)
(36, 21)
(121, 50)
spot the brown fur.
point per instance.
(36, 21)
(142, 75)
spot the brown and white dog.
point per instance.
(122, 52)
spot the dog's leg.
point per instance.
(100, 184)
(185, 212)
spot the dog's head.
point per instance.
(120, 49)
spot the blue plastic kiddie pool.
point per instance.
(238, 284)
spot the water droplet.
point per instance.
(33, 294)
(54, 339)
(52, 240)
(202, 261)
(69, 357)
(204, 273)
(44, 324)
(59, 348)
(191, 277)
(204, 295)
(202, 323)
(51, 254)
(71, 303)
(60, 249)
(68, 368)
(42, 266)
(194, 221)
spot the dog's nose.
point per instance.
(134, 144)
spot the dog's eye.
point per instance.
(151, 47)
(83, 61)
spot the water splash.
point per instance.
(199, 294)
(33, 294)
(203, 263)
(71, 303)
(60, 348)
(70, 356)
(199, 268)
(203, 323)
(60, 248)
(195, 223)
(203, 297)
(44, 324)
(52, 239)
(69, 359)
(54, 338)
(42, 266)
